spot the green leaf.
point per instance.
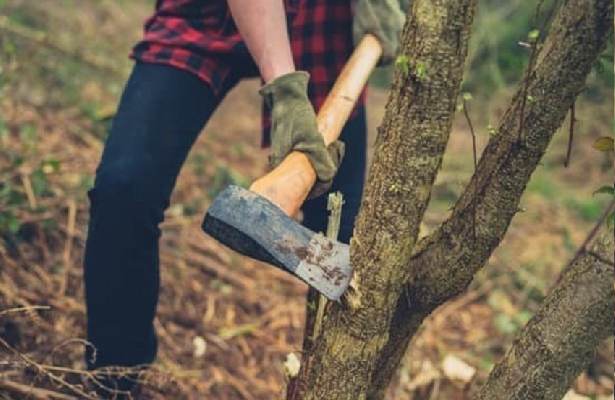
(9, 222)
(39, 182)
(604, 143)
(491, 130)
(420, 71)
(11, 197)
(523, 317)
(505, 324)
(605, 190)
(27, 133)
(533, 35)
(403, 64)
(50, 165)
(467, 96)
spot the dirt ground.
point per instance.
(226, 323)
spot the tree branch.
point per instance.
(560, 340)
(408, 154)
(448, 259)
(444, 263)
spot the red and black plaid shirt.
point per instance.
(200, 36)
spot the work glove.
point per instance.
(383, 19)
(294, 128)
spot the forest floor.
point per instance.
(226, 323)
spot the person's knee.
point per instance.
(127, 184)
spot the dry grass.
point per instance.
(53, 117)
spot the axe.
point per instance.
(258, 222)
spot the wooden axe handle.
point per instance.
(290, 182)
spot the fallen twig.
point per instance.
(570, 135)
(30, 392)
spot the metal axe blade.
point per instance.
(252, 225)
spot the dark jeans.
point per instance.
(161, 113)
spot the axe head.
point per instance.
(252, 225)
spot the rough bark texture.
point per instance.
(560, 340)
(444, 263)
(408, 154)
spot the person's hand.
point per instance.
(294, 128)
(383, 19)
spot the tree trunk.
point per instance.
(560, 340)
(408, 154)
(445, 262)
(396, 284)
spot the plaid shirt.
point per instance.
(200, 36)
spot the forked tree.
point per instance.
(399, 280)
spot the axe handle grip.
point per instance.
(290, 182)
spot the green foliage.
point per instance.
(40, 185)
(505, 324)
(9, 223)
(10, 197)
(605, 190)
(222, 178)
(589, 210)
(50, 165)
(418, 70)
(495, 58)
(27, 136)
(533, 35)
(508, 319)
(491, 130)
(544, 185)
(604, 143)
(3, 130)
(402, 63)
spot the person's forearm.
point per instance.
(262, 25)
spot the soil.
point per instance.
(227, 323)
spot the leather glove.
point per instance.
(382, 18)
(294, 128)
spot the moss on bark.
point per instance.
(361, 347)
(408, 154)
(444, 263)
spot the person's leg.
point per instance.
(349, 180)
(161, 113)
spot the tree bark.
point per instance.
(408, 153)
(560, 340)
(396, 284)
(445, 262)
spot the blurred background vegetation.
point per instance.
(495, 58)
(63, 64)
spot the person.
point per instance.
(192, 53)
